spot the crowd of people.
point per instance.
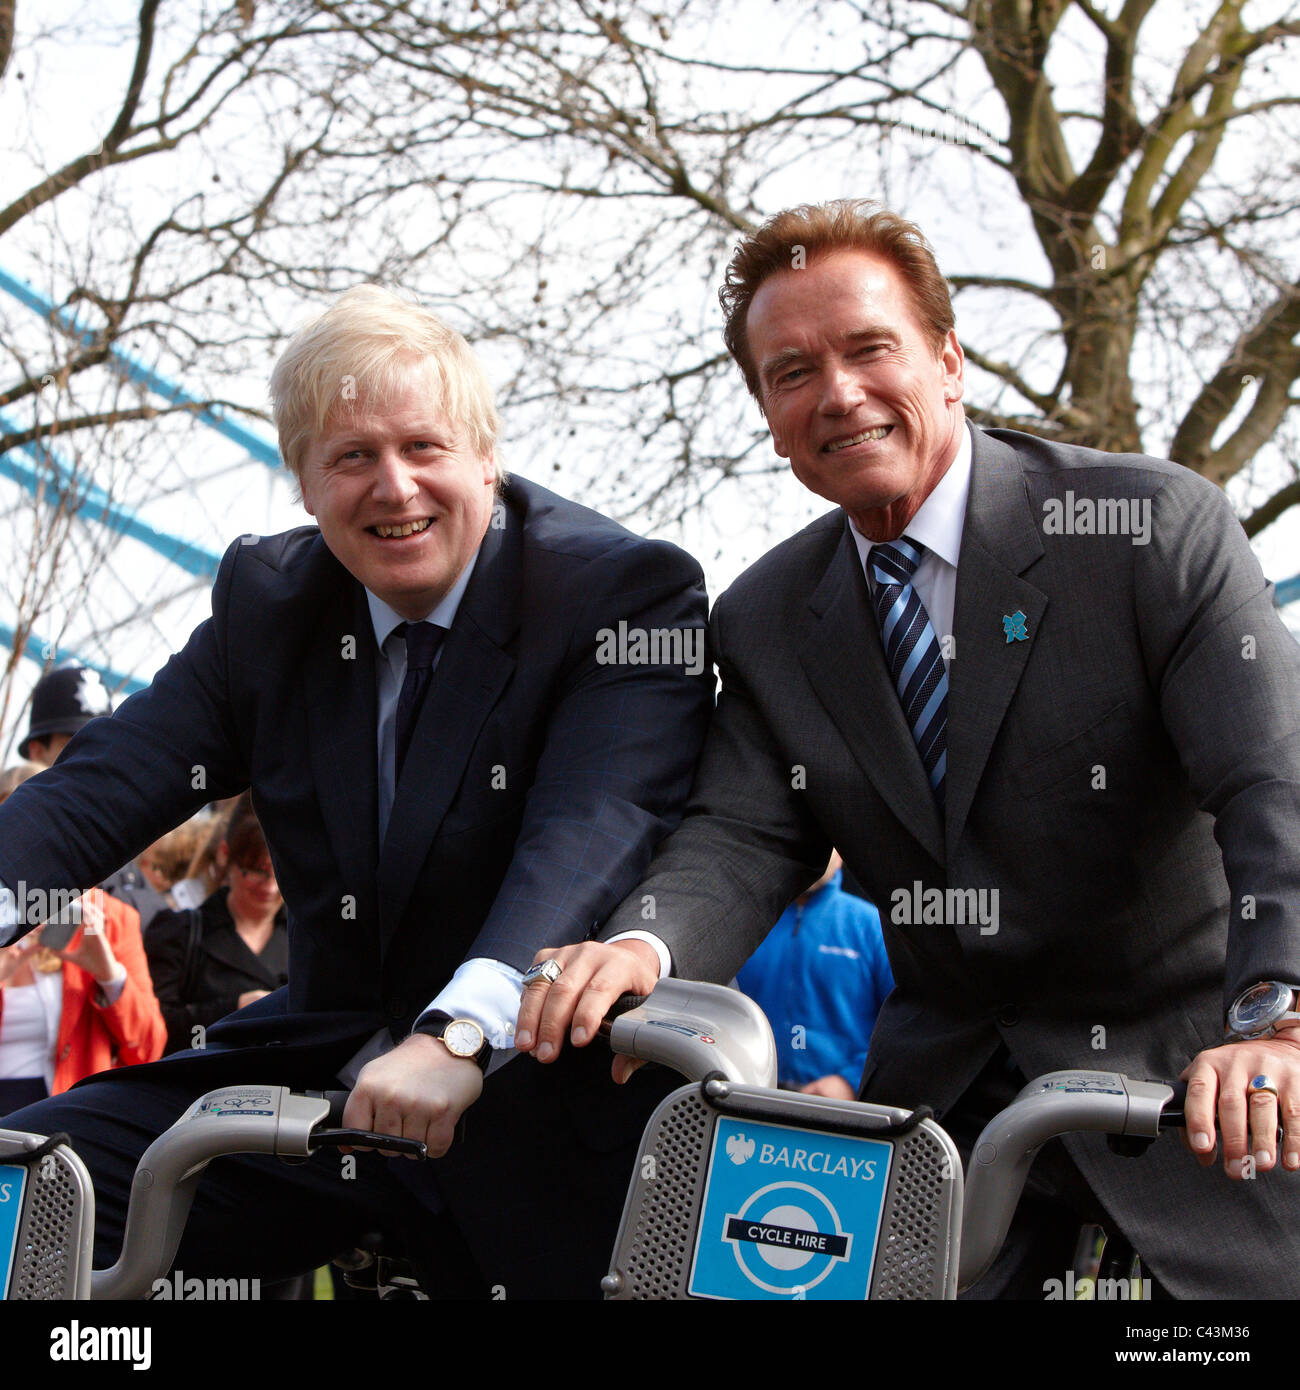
(190, 930)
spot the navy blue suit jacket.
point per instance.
(537, 784)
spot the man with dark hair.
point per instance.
(1030, 676)
(449, 771)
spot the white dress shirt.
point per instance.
(937, 525)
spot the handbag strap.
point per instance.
(191, 954)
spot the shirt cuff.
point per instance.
(110, 991)
(489, 992)
(665, 956)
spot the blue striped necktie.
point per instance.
(912, 654)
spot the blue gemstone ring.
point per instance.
(1263, 1084)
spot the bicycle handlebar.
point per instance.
(1174, 1115)
(1061, 1102)
(336, 1137)
(237, 1119)
(673, 1027)
(700, 1031)
(696, 1029)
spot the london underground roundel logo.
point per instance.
(786, 1238)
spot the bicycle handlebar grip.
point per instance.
(699, 1029)
(333, 1123)
(369, 1139)
(1172, 1116)
(337, 1102)
(624, 1004)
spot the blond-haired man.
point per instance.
(450, 772)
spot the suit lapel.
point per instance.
(472, 671)
(342, 717)
(1000, 540)
(840, 650)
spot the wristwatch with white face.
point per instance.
(462, 1037)
(1260, 1010)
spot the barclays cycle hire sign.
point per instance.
(789, 1213)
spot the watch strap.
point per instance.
(435, 1024)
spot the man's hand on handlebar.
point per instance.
(594, 975)
(418, 1090)
(1219, 1078)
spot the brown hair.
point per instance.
(244, 837)
(800, 235)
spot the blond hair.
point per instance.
(362, 350)
(175, 851)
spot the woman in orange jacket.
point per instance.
(99, 1012)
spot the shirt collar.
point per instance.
(384, 619)
(938, 523)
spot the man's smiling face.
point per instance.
(400, 495)
(855, 393)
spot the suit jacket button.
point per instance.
(1008, 1016)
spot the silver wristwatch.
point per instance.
(1260, 1010)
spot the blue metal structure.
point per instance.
(95, 505)
(113, 680)
(260, 449)
(49, 470)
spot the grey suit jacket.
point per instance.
(1123, 795)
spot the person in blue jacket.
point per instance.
(821, 976)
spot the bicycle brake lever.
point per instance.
(365, 1138)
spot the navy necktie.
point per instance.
(912, 654)
(422, 643)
